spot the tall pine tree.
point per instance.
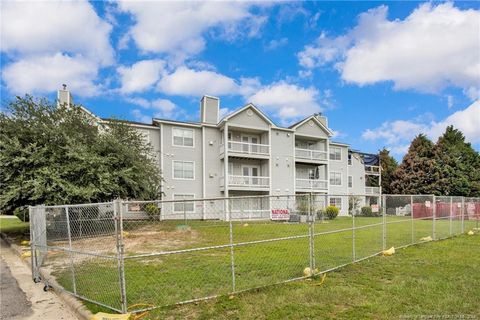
(389, 165)
(458, 165)
(417, 173)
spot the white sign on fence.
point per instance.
(374, 207)
(427, 204)
(280, 214)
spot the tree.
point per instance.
(458, 165)
(388, 165)
(58, 155)
(417, 174)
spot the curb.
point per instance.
(73, 303)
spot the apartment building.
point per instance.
(246, 153)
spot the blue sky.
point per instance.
(380, 72)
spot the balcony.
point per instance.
(246, 149)
(311, 184)
(246, 182)
(372, 190)
(372, 170)
(311, 155)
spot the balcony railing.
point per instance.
(250, 182)
(311, 184)
(246, 148)
(309, 154)
(372, 169)
(372, 190)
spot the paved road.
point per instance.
(13, 301)
(21, 298)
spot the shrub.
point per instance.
(22, 214)
(367, 212)
(331, 212)
(321, 214)
(152, 211)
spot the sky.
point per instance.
(382, 72)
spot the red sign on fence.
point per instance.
(280, 214)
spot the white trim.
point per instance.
(179, 201)
(341, 179)
(313, 117)
(339, 144)
(184, 161)
(183, 146)
(203, 164)
(250, 105)
(241, 126)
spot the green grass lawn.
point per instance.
(164, 280)
(14, 227)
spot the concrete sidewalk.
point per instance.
(21, 298)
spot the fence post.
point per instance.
(384, 220)
(118, 216)
(434, 212)
(232, 253)
(463, 214)
(451, 212)
(411, 218)
(310, 233)
(33, 261)
(72, 267)
(353, 237)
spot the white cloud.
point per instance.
(140, 76)
(41, 74)
(48, 27)
(287, 101)
(53, 42)
(434, 47)
(398, 134)
(178, 28)
(276, 43)
(157, 108)
(189, 82)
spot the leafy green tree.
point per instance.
(58, 155)
(417, 174)
(388, 165)
(458, 165)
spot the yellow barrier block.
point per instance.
(471, 233)
(426, 238)
(25, 243)
(388, 252)
(108, 316)
(26, 254)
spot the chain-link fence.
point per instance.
(138, 255)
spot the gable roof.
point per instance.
(312, 117)
(249, 105)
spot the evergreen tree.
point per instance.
(458, 165)
(388, 165)
(61, 155)
(417, 173)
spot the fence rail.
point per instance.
(123, 254)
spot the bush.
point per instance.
(152, 211)
(22, 214)
(367, 212)
(331, 212)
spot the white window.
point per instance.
(335, 153)
(184, 170)
(184, 206)
(350, 181)
(335, 178)
(336, 202)
(182, 137)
